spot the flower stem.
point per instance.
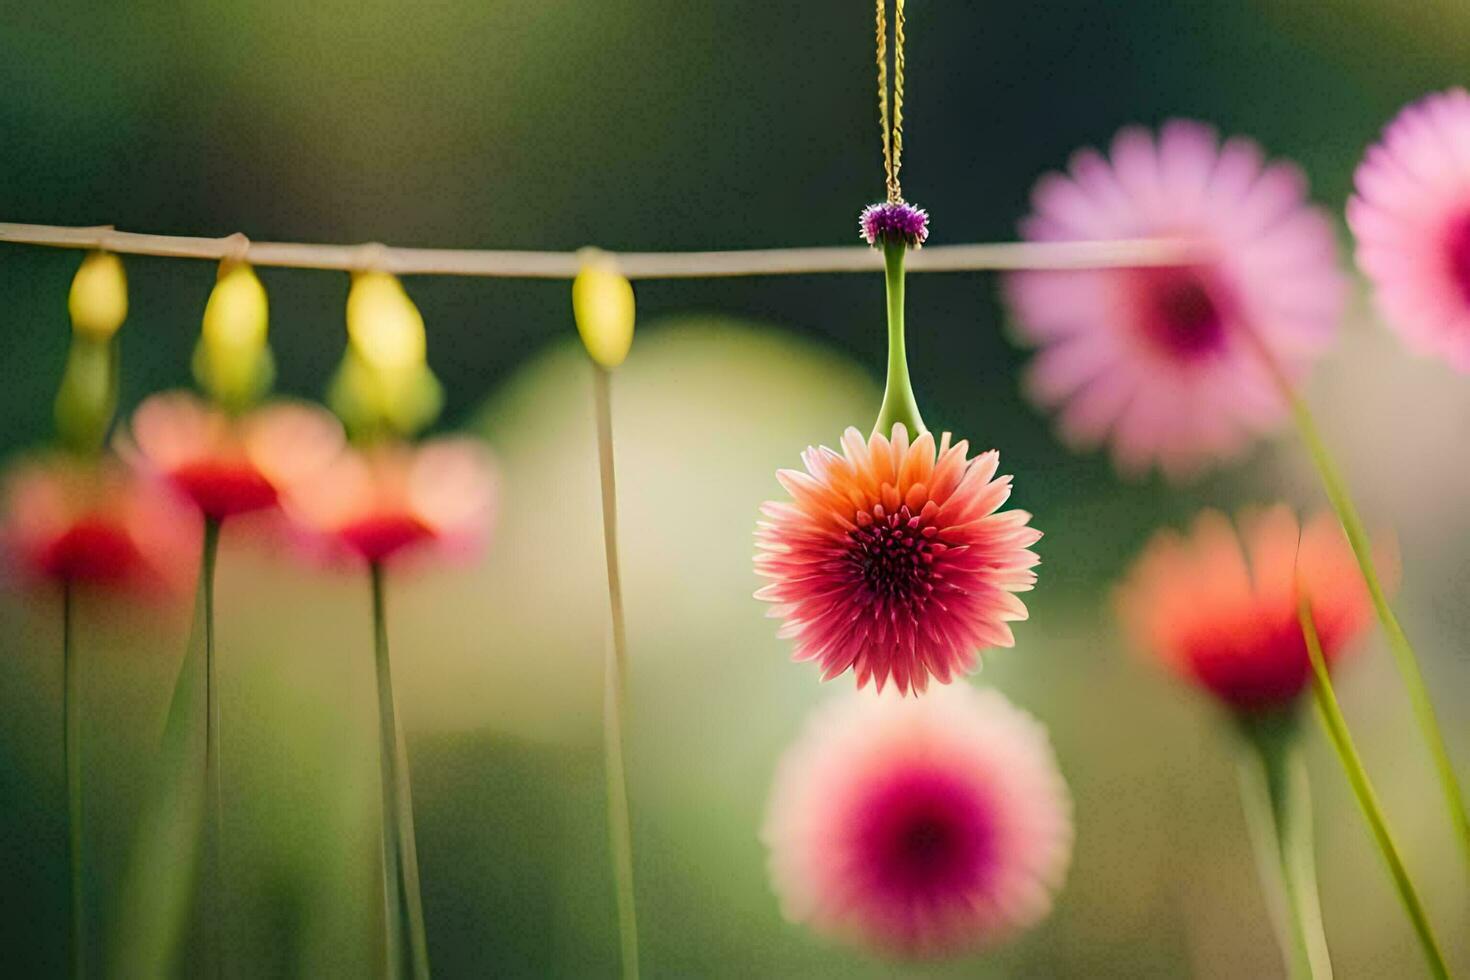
(1278, 803)
(899, 404)
(1337, 730)
(619, 822)
(213, 884)
(71, 722)
(1398, 642)
(406, 941)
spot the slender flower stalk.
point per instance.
(1277, 798)
(407, 945)
(1398, 642)
(72, 751)
(213, 884)
(1337, 730)
(899, 403)
(619, 822)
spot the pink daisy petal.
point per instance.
(919, 827)
(1411, 218)
(1153, 360)
(892, 560)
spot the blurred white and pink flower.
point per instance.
(1411, 218)
(230, 464)
(396, 498)
(1165, 363)
(918, 827)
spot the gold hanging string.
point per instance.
(892, 124)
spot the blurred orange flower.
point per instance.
(1220, 608)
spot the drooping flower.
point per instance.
(918, 827)
(1220, 608)
(1411, 218)
(228, 464)
(1165, 363)
(93, 521)
(893, 558)
(386, 499)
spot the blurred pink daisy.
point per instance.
(1220, 609)
(228, 464)
(387, 499)
(1166, 363)
(893, 560)
(918, 827)
(94, 522)
(1411, 218)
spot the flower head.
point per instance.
(894, 222)
(73, 519)
(1165, 363)
(386, 499)
(1411, 218)
(226, 464)
(1220, 609)
(893, 558)
(918, 827)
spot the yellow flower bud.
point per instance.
(385, 327)
(237, 314)
(602, 303)
(98, 302)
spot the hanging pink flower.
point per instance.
(918, 827)
(227, 464)
(387, 499)
(1220, 609)
(1411, 218)
(894, 559)
(93, 521)
(1162, 363)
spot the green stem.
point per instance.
(1277, 798)
(405, 938)
(619, 821)
(899, 404)
(214, 883)
(1398, 642)
(1337, 730)
(72, 750)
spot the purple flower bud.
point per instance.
(892, 222)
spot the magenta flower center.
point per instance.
(223, 489)
(1457, 254)
(926, 834)
(1180, 313)
(894, 554)
(381, 535)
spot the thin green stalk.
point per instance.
(71, 723)
(1278, 803)
(214, 882)
(405, 938)
(1398, 642)
(1337, 730)
(619, 822)
(899, 404)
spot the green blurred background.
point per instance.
(667, 125)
